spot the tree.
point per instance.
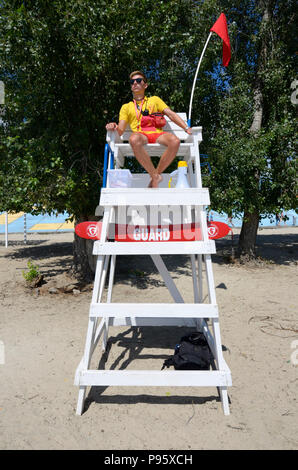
(65, 64)
(252, 153)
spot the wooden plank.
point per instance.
(154, 197)
(157, 260)
(224, 400)
(153, 248)
(153, 310)
(154, 150)
(152, 321)
(153, 378)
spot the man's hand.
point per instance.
(177, 120)
(111, 126)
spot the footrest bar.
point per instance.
(149, 378)
(153, 310)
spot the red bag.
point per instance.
(149, 121)
(159, 119)
(154, 120)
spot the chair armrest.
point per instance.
(196, 134)
(112, 137)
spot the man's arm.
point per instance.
(177, 120)
(120, 128)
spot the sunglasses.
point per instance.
(138, 80)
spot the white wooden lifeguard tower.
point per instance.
(203, 316)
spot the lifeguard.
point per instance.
(137, 113)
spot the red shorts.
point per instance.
(152, 137)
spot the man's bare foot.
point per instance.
(155, 180)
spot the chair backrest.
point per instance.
(169, 127)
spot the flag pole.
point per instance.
(194, 82)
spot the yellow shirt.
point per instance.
(128, 112)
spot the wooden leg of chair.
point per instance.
(224, 400)
(109, 298)
(86, 361)
(81, 399)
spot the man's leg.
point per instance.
(137, 142)
(172, 143)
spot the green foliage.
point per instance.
(255, 170)
(32, 272)
(65, 65)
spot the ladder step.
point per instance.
(150, 248)
(154, 197)
(164, 310)
(154, 150)
(153, 321)
(154, 378)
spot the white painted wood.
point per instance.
(224, 399)
(121, 148)
(210, 279)
(217, 342)
(167, 279)
(99, 331)
(198, 166)
(171, 127)
(153, 310)
(192, 175)
(116, 202)
(103, 276)
(154, 378)
(99, 267)
(81, 399)
(155, 197)
(194, 279)
(153, 321)
(153, 248)
(78, 372)
(158, 215)
(200, 277)
(86, 361)
(208, 336)
(212, 299)
(109, 299)
(107, 218)
(154, 150)
(111, 278)
(201, 216)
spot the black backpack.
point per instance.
(192, 353)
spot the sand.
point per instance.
(42, 336)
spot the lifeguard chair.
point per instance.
(164, 206)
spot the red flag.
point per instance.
(220, 27)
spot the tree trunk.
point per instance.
(248, 235)
(249, 229)
(83, 260)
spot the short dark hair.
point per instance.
(138, 72)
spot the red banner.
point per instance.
(138, 233)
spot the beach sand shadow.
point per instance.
(133, 344)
